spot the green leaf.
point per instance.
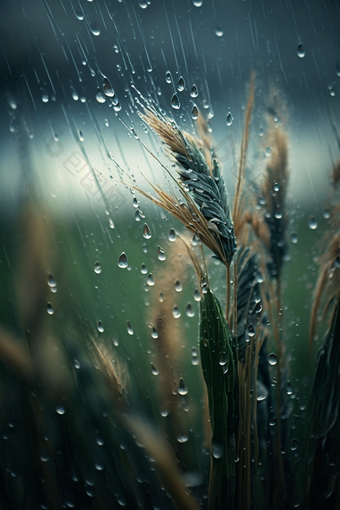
(216, 346)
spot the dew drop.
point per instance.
(260, 131)
(294, 238)
(146, 231)
(100, 327)
(154, 333)
(100, 96)
(154, 369)
(51, 281)
(60, 409)
(182, 438)
(278, 214)
(272, 359)
(143, 269)
(313, 224)
(76, 364)
(175, 312)
(259, 277)
(268, 152)
(180, 84)
(289, 388)
(190, 311)
(326, 214)
(168, 77)
(150, 281)
(300, 50)
(172, 235)
(262, 392)
(294, 444)
(123, 261)
(198, 3)
(258, 309)
(44, 98)
(338, 69)
(135, 202)
(129, 328)
(219, 31)
(178, 286)
(223, 359)
(49, 308)
(194, 357)
(217, 450)
(111, 224)
(142, 4)
(107, 87)
(175, 102)
(194, 91)
(194, 113)
(97, 268)
(182, 389)
(197, 295)
(229, 119)
(160, 254)
(251, 331)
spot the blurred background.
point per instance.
(73, 76)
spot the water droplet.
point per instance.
(97, 268)
(99, 441)
(182, 438)
(100, 96)
(154, 333)
(123, 261)
(268, 152)
(117, 107)
(278, 214)
(190, 311)
(129, 328)
(272, 359)
(223, 359)
(197, 295)
(194, 357)
(49, 308)
(294, 444)
(51, 281)
(146, 232)
(100, 327)
(94, 29)
(289, 388)
(150, 281)
(300, 50)
(259, 277)
(142, 4)
(326, 214)
(76, 364)
(143, 269)
(258, 309)
(229, 119)
(111, 224)
(194, 91)
(175, 102)
(99, 466)
(175, 312)
(181, 84)
(107, 87)
(313, 224)
(154, 369)
(60, 409)
(168, 77)
(160, 254)
(182, 389)
(178, 286)
(217, 450)
(194, 113)
(44, 98)
(198, 3)
(331, 89)
(219, 31)
(75, 95)
(260, 131)
(251, 331)
(294, 238)
(276, 187)
(172, 235)
(262, 392)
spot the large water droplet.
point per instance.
(160, 254)
(168, 77)
(182, 438)
(100, 96)
(313, 224)
(197, 295)
(223, 359)
(150, 281)
(198, 3)
(175, 102)
(178, 286)
(262, 392)
(272, 359)
(301, 50)
(123, 261)
(60, 409)
(51, 281)
(219, 31)
(129, 328)
(49, 309)
(194, 91)
(97, 268)
(190, 311)
(146, 232)
(107, 87)
(289, 388)
(181, 84)
(154, 369)
(143, 269)
(175, 312)
(182, 389)
(194, 357)
(172, 235)
(194, 113)
(154, 333)
(100, 327)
